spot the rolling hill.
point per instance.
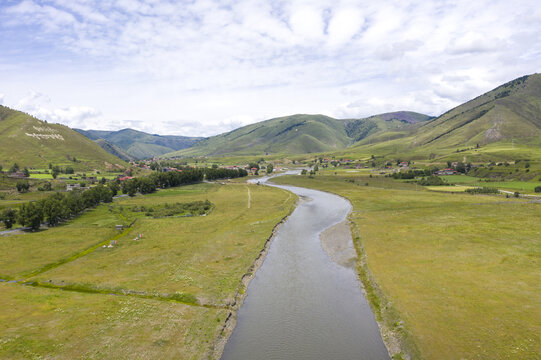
(298, 134)
(34, 143)
(511, 111)
(138, 144)
(504, 123)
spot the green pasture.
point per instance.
(47, 323)
(41, 176)
(174, 287)
(22, 254)
(201, 256)
(521, 186)
(456, 275)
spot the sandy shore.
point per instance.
(337, 243)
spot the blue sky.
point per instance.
(203, 67)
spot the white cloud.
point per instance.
(344, 24)
(2, 96)
(208, 62)
(39, 105)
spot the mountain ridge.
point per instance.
(299, 133)
(138, 144)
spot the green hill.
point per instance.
(511, 111)
(141, 145)
(298, 134)
(34, 143)
(504, 123)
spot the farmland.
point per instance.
(174, 286)
(455, 275)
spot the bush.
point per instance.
(45, 187)
(537, 189)
(22, 186)
(432, 181)
(483, 190)
(8, 217)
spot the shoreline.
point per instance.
(230, 323)
(337, 242)
(394, 337)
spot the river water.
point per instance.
(300, 304)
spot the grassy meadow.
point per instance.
(457, 275)
(174, 287)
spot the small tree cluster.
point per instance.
(22, 186)
(60, 207)
(432, 181)
(8, 217)
(220, 173)
(483, 190)
(149, 184)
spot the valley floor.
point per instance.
(165, 295)
(456, 276)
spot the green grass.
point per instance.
(46, 323)
(173, 289)
(461, 271)
(202, 256)
(34, 152)
(22, 254)
(41, 176)
(452, 189)
(521, 186)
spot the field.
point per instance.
(521, 186)
(451, 189)
(166, 295)
(456, 275)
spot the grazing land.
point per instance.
(455, 275)
(175, 286)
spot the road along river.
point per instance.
(301, 304)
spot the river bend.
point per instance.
(300, 304)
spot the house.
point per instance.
(124, 178)
(253, 170)
(70, 187)
(17, 175)
(447, 171)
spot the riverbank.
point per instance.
(338, 242)
(231, 320)
(455, 273)
(167, 292)
(301, 305)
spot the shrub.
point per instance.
(483, 190)
(537, 189)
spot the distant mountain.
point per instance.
(298, 134)
(114, 150)
(138, 144)
(34, 143)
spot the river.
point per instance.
(300, 304)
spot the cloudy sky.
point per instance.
(202, 67)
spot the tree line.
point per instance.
(163, 180)
(60, 207)
(57, 207)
